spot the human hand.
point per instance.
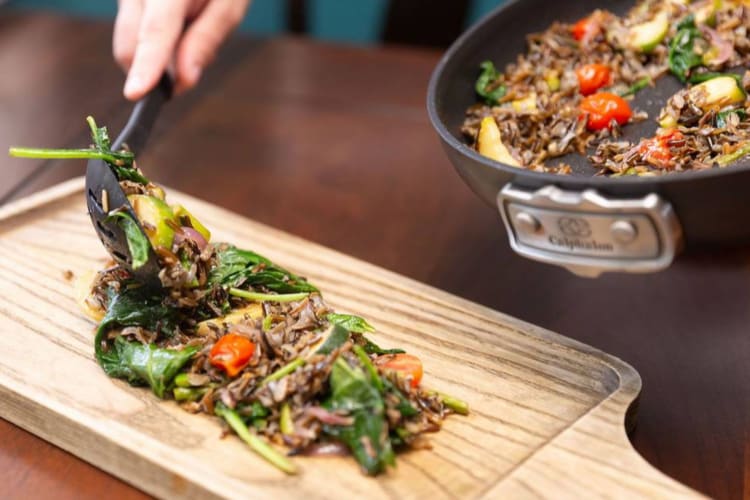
(149, 34)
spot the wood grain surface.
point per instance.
(547, 413)
(333, 144)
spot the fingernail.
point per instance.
(133, 85)
(194, 72)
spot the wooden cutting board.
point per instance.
(548, 414)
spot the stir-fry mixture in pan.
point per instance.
(572, 91)
(232, 334)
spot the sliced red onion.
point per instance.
(328, 417)
(188, 233)
(724, 48)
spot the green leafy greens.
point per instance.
(236, 267)
(682, 54)
(485, 85)
(638, 85)
(145, 363)
(723, 116)
(257, 444)
(138, 243)
(353, 392)
(120, 161)
(359, 326)
(133, 361)
(371, 347)
(350, 322)
(335, 339)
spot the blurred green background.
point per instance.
(347, 21)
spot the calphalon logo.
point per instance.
(574, 226)
(575, 236)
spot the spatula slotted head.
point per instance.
(103, 195)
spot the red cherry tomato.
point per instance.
(592, 77)
(405, 365)
(604, 107)
(232, 353)
(657, 151)
(585, 29)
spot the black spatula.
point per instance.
(104, 194)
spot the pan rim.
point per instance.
(544, 178)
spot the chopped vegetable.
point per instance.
(723, 117)
(657, 151)
(741, 151)
(138, 244)
(286, 424)
(191, 380)
(232, 353)
(184, 217)
(188, 394)
(526, 104)
(145, 363)
(703, 76)
(604, 108)
(586, 29)
(113, 157)
(487, 85)
(490, 144)
(369, 368)
(353, 392)
(134, 307)
(186, 233)
(252, 312)
(285, 370)
(640, 84)
(235, 266)
(331, 339)
(455, 404)
(268, 297)
(683, 53)
(121, 162)
(254, 442)
(371, 347)
(552, 78)
(406, 365)
(156, 217)
(705, 13)
(717, 93)
(645, 37)
(720, 50)
(351, 322)
(592, 77)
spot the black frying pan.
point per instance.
(699, 208)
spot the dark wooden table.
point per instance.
(333, 144)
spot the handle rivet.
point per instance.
(527, 223)
(624, 231)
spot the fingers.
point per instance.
(125, 34)
(203, 38)
(161, 26)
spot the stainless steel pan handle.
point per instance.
(588, 233)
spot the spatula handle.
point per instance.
(136, 131)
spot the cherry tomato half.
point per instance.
(406, 365)
(585, 29)
(657, 151)
(232, 353)
(604, 107)
(592, 77)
